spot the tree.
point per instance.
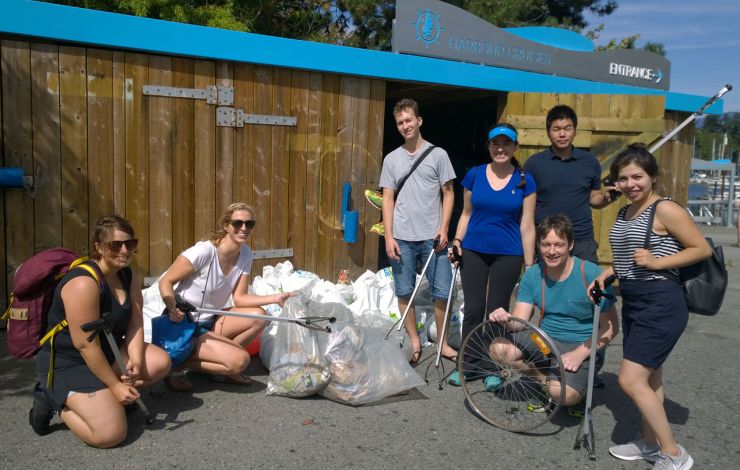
(361, 23)
(712, 133)
(315, 20)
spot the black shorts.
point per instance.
(654, 315)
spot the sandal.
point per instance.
(177, 382)
(449, 358)
(237, 379)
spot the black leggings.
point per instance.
(488, 281)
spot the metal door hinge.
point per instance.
(236, 117)
(212, 94)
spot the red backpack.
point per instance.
(33, 291)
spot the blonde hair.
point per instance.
(217, 235)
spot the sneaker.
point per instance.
(493, 383)
(598, 381)
(40, 415)
(578, 410)
(540, 401)
(682, 461)
(639, 449)
(375, 198)
(454, 379)
(378, 229)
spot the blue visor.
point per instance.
(501, 130)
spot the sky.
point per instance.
(701, 39)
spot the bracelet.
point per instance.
(457, 240)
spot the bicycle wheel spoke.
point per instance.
(522, 388)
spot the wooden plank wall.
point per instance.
(606, 124)
(78, 118)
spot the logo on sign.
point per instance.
(427, 27)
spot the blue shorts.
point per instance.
(439, 272)
(204, 327)
(654, 315)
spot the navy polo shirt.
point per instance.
(564, 186)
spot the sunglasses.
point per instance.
(116, 245)
(238, 224)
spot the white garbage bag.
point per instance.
(152, 308)
(297, 368)
(366, 366)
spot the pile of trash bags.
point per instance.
(358, 362)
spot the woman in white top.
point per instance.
(207, 275)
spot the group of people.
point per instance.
(534, 218)
(84, 385)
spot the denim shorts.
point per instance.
(413, 254)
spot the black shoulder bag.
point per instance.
(705, 282)
(413, 167)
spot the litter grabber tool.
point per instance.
(400, 322)
(585, 435)
(457, 260)
(312, 323)
(693, 116)
(105, 325)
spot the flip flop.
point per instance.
(449, 358)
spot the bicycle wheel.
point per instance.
(519, 403)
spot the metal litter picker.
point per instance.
(400, 322)
(312, 323)
(585, 435)
(457, 259)
(105, 325)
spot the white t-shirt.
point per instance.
(208, 286)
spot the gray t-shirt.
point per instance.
(418, 212)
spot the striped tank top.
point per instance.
(628, 235)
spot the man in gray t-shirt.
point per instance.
(416, 217)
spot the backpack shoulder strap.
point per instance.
(651, 217)
(81, 263)
(583, 274)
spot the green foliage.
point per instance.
(713, 130)
(360, 23)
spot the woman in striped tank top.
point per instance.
(654, 312)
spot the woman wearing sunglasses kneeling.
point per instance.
(214, 274)
(81, 380)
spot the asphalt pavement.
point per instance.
(227, 426)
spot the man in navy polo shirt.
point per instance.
(568, 181)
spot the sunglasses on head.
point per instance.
(116, 245)
(238, 224)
